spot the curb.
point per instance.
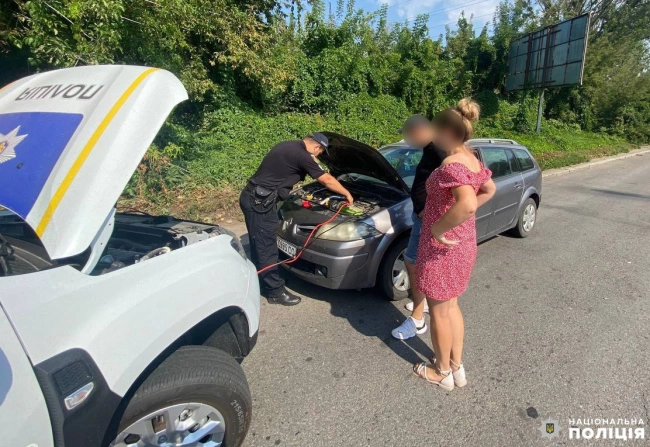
(596, 162)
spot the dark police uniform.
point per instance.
(284, 166)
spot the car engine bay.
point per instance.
(318, 195)
(366, 202)
(137, 238)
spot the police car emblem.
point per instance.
(8, 144)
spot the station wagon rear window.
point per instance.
(500, 161)
(525, 162)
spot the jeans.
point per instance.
(411, 253)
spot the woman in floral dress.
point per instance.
(447, 249)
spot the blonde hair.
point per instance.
(470, 111)
(459, 119)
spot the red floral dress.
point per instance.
(443, 273)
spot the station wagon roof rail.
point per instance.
(492, 141)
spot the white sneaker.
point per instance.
(408, 329)
(409, 306)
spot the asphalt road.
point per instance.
(557, 325)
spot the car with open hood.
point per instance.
(115, 329)
(366, 248)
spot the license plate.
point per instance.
(287, 248)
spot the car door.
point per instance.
(505, 203)
(24, 419)
(530, 175)
(483, 213)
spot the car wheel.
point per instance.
(198, 396)
(393, 279)
(527, 218)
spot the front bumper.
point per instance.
(334, 265)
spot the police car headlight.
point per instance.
(346, 231)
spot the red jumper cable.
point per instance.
(295, 258)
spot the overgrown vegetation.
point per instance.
(260, 71)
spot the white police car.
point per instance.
(115, 329)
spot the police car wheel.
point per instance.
(198, 396)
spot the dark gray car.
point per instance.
(355, 252)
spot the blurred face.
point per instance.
(446, 139)
(419, 136)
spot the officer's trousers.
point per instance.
(262, 233)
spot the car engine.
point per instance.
(317, 195)
(138, 238)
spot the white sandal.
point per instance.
(459, 375)
(446, 383)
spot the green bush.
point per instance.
(228, 144)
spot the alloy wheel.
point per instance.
(186, 425)
(400, 275)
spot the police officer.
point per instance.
(284, 166)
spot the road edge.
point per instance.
(595, 162)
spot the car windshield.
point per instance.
(404, 160)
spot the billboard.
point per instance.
(551, 57)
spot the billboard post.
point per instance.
(540, 109)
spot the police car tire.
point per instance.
(197, 374)
(385, 276)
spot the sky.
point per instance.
(441, 12)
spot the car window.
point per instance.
(514, 166)
(525, 161)
(499, 161)
(404, 160)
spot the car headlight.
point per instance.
(346, 231)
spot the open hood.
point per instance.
(69, 142)
(348, 156)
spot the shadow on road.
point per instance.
(368, 313)
(629, 195)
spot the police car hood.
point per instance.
(69, 142)
(348, 156)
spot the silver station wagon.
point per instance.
(367, 249)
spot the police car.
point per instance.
(115, 329)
